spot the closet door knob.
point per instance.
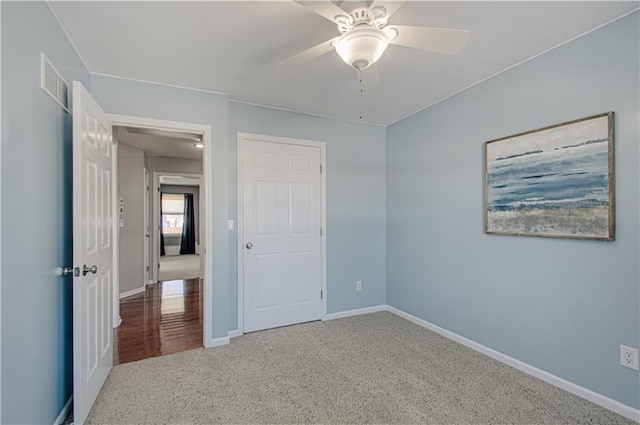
(249, 245)
(93, 269)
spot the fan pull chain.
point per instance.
(361, 90)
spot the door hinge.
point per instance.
(321, 294)
(320, 168)
(321, 231)
(158, 190)
(147, 268)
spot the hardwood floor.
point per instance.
(165, 319)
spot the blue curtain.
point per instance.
(188, 242)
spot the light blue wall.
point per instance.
(563, 306)
(355, 171)
(36, 212)
(355, 199)
(127, 97)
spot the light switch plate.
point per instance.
(230, 225)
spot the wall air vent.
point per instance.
(52, 83)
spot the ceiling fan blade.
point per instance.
(369, 77)
(310, 54)
(439, 40)
(390, 6)
(323, 8)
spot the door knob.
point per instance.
(93, 269)
(66, 271)
(249, 245)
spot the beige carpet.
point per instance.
(174, 267)
(375, 368)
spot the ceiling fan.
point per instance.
(366, 33)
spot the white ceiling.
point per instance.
(160, 142)
(233, 47)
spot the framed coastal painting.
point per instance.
(555, 182)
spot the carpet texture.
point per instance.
(175, 267)
(375, 368)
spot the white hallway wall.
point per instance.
(131, 189)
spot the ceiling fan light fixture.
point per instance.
(362, 47)
(391, 33)
(378, 16)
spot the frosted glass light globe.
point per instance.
(362, 46)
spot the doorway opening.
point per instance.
(177, 213)
(161, 270)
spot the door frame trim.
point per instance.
(146, 191)
(156, 222)
(207, 172)
(240, 138)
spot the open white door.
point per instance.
(92, 250)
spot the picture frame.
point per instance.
(556, 181)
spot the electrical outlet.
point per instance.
(629, 357)
(358, 285)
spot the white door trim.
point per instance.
(323, 219)
(207, 222)
(147, 227)
(115, 225)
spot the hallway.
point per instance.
(165, 319)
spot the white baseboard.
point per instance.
(599, 399)
(64, 412)
(366, 310)
(132, 292)
(356, 312)
(217, 342)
